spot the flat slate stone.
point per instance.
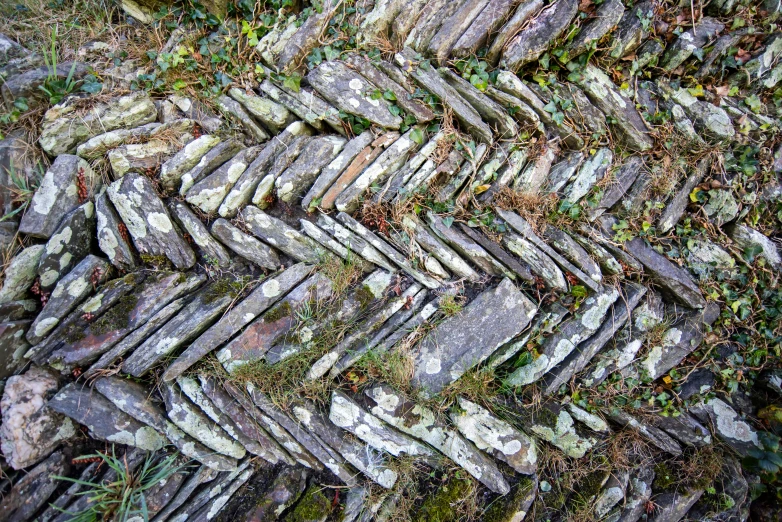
(528, 45)
(605, 18)
(104, 420)
(68, 183)
(173, 169)
(212, 509)
(113, 238)
(502, 256)
(351, 93)
(748, 238)
(301, 174)
(467, 247)
(245, 245)
(491, 111)
(689, 41)
(193, 505)
(420, 422)
(13, 346)
(563, 243)
(123, 326)
(422, 235)
(268, 160)
(282, 493)
(69, 244)
(278, 234)
(65, 126)
(209, 304)
(555, 348)
(148, 222)
(96, 147)
(236, 112)
(712, 121)
(272, 115)
(70, 291)
(210, 192)
(209, 162)
(264, 192)
(348, 415)
(32, 491)
(675, 208)
(213, 251)
(141, 157)
(684, 428)
(540, 263)
(673, 506)
(453, 28)
(20, 273)
(319, 114)
(306, 37)
(257, 302)
(555, 425)
(510, 28)
(485, 25)
(495, 436)
(466, 339)
(429, 21)
(354, 243)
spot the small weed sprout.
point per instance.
(451, 305)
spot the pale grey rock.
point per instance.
(348, 415)
(257, 302)
(185, 160)
(528, 45)
(20, 273)
(706, 259)
(206, 306)
(65, 126)
(18, 309)
(490, 111)
(276, 233)
(10, 50)
(30, 430)
(141, 157)
(554, 424)
(523, 12)
(495, 436)
(211, 510)
(563, 171)
(631, 31)
(712, 121)
(613, 493)
(352, 93)
(318, 113)
(618, 106)
(544, 323)
(354, 244)
(622, 179)
(402, 177)
(386, 249)
(203, 474)
(466, 339)
(299, 176)
(130, 323)
(684, 428)
(452, 28)
(555, 348)
(536, 172)
(424, 237)
(271, 160)
(236, 112)
(270, 46)
(378, 21)
(690, 41)
(306, 37)
(318, 235)
(209, 162)
(563, 243)
(486, 24)
(540, 264)
(148, 222)
(245, 245)
(606, 17)
(69, 244)
(104, 420)
(429, 21)
(749, 239)
(501, 255)
(210, 192)
(205, 497)
(28, 84)
(264, 192)
(70, 291)
(430, 80)
(58, 194)
(638, 493)
(13, 346)
(467, 247)
(99, 145)
(272, 115)
(113, 239)
(673, 506)
(420, 422)
(282, 493)
(362, 456)
(213, 251)
(674, 210)
(728, 425)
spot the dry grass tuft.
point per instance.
(532, 206)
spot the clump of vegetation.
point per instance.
(125, 496)
(451, 305)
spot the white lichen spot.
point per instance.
(160, 221)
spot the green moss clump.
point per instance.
(546, 417)
(118, 316)
(442, 505)
(664, 477)
(364, 296)
(313, 506)
(503, 509)
(221, 288)
(283, 310)
(156, 261)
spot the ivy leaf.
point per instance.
(331, 53)
(292, 82)
(448, 221)
(396, 111)
(417, 136)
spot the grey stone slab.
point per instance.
(675, 208)
(494, 249)
(332, 245)
(689, 41)
(213, 509)
(141, 158)
(200, 476)
(555, 425)
(30, 493)
(430, 80)
(747, 238)
(65, 126)
(272, 115)
(355, 244)
(555, 348)
(684, 428)
(58, 194)
(403, 176)
(282, 493)
(712, 121)
(631, 31)
(104, 420)
(483, 28)
(528, 45)
(210, 192)
(467, 247)
(424, 237)
(264, 196)
(13, 346)
(20, 273)
(421, 423)
(673, 506)
(257, 302)
(466, 339)
(130, 322)
(563, 243)
(727, 425)
(263, 445)
(605, 18)
(209, 162)
(274, 156)
(306, 37)
(495, 436)
(70, 291)
(148, 222)
(622, 178)
(296, 180)
(208, 304)
(70, 243)
(185, 160)
(539, 263)
(55, 508)
(591, 172)
(206, 495)
(99, 145)
(113, 238)
(429, 21)
(320, 116)
(278, 234)
(536, 172)
(523, 12)
(348, 415)
(214, 253)
(235, 111)
(245, 245)
(19, 309)
(357, 453)
(453, 28)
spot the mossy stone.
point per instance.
(442, 505)
(364, 296)
(504, 509)
(283, 310)
(117, 317)
(159, 261)
(313, 506)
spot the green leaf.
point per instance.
(292, 82)
(389, 95)
(417, 136)
(448, 221)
